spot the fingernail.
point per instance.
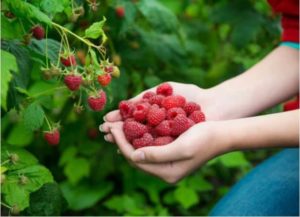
(105, 138)
(101, 127)
(138, 156)
(104, 118)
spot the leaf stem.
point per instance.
(48, 123)
(5, 205)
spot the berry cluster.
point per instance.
(158, 118)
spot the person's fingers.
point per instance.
(113, 116)
(109, 138)
(106, 126)
(174, 151)
(122, 142)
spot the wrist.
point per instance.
(222, 136)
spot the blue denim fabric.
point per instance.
(270, 189)
(290, 44)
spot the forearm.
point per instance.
(266, 84)
(275, 130)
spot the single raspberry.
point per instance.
(93, 133)
(72, 81)
(197, 116)
(140, 111)
(164, 128)
(156, 115)
(181, 124)
(68, 61)
(104, 80)
(145, 140)
(164, 89)
(156, 99)
(108, 69)
(173, 101)
(97, 102)
(52, 137)
(148, 95)
(190, 107)
(126, 109)
(191, 122)
(173, 112)
(291, 105)
(120, 11)
(38, 32)
(134, 130)
(164, 140)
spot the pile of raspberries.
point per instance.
(158, 118)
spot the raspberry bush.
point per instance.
(64, 64)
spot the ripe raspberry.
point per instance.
(120, 11)
(97, 102)
(156, 115)
(162, 140)
(140, 111)
(104, 80)
(68, 61)
(164, 89)
(146, 140)
(73, 82)
(156, 99)
(148, 95)
(173, 112)
(38, 32)
(164, 128)
(126, 109)
(197, 116)
(291, 105)
(52, 137)
(191, 122)
(190, 107)
(173, 101)
(181, 124)
(134, 130)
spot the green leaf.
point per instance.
(41, 46)
(198, 183)
(234, 159)
(76, 169)
(85, 195)
(6, 74)
(20, 135)
(53, 6)
(10, 29)
(26, 10)
(124, 203)
(16, 193)
(33, 116)
(95, 30)
(187, 197)
(47, 201)
(25, 158)
(68, 155)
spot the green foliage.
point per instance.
(199, 42)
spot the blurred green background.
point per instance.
(193, 41)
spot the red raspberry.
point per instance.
(146, 140)
(68, 61)
(162, 140)
(38, 32)
(291, 105)
(72, 81)
(164, 128)
(108, 69)
(173, 101)
(126, 108)
(52, 137)
(156, 99)
(191, 122)
(140, 112)
(93, 133)
(197, 116)
(190, 107)
(120, 11)
(134, 130)
(148, 95)
(164, 89)
(156, 115)
(98, 102)
(173, 112)
(181, 124)
(104, 80)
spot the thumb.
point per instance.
(160, 154)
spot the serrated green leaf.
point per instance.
(41, 46)
(85, 195)
(95, 30)
(33, 116)
(20, 135)
(76, 169)
(9, 64)
(187, 197)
